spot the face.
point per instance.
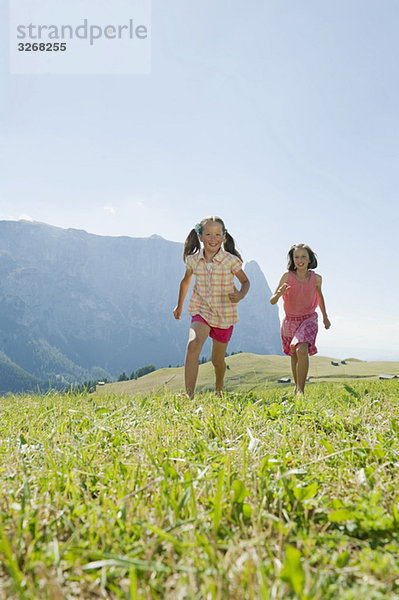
(301, 259)
(212, 237)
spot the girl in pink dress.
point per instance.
(301, 291)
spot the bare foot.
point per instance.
(185, 396)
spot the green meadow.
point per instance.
(258, 495)
(248, 372)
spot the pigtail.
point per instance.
(229, 245)
(191, 245)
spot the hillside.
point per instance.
(15, 379)
(250, 371)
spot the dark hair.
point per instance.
(290, 256)
(192, 244)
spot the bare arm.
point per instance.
(281, 289)
(322, 304)
(183, 289)
(238, 295)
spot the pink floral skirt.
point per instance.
(296, 330)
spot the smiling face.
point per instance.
(301, 259)
(212, 237)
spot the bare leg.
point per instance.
(294, 362)
(218, 354)
(302, 354)
(196, 339)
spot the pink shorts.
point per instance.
(296, 330)
(216, 333)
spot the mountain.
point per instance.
(259, 325)
(77, 306)
(14, 379)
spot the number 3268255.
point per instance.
(42, 47)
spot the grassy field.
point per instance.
(254, 496)
(251, 372)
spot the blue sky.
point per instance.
(280, 116)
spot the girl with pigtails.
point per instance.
(213, 304)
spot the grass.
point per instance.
(251, 372)
(255, 496)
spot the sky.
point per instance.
(280, 116)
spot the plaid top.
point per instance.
(213, 283)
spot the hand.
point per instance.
(326, 322)
(177, 312)
(283, 289)
(235, 296)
